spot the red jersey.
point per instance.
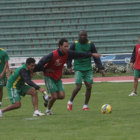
(137, 57)
(56, 65)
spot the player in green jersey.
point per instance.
(83, 68)
(16, 87)
(54, 63)
(3, 66)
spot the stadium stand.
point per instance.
(32, 27)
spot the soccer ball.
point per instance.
(106, 109)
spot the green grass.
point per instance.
(122, 124)
(107, 74)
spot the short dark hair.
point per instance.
(61, 41)
(82, 31)
(30, 60)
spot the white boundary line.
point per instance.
(117, 81)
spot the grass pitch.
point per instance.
(122, 124)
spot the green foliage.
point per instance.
(122, 124)
(108, 67)
(111, 68)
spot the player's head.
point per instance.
(83, 36)
(63, 45)
(30, 63)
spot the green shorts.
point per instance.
(87, 76)
(3, 81)
(136, 73)
(53, 85)
(14, 93)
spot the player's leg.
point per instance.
(60, 87)
(75, 91)
(88, 79)
(13, 106)
(78, 82)
(87, 95)
(31, 91)
(135, 84)
(58, 94)
(2, 84)
(15, 100)
(52, 90)
(54, 97)
(61, 95)
(1, 95)
(34, 96)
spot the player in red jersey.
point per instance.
(135, 63)
(53, 64)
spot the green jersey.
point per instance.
(3, 58)
(15, 79)
(82, 64)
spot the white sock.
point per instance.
(69, 102)
(0, 103)
(48, 110)
(46, 97)
(85, 106)
(0, 112)
(36, 111)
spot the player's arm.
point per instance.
(44, 60)
(69, 61)
(26, 77)
(82, 55)
(6, 58)
(97, 60)
(132, 60)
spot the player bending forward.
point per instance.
(16, 87)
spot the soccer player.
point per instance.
(83, 68)
(135, 63)
(16, 87)
(3, 67)
(53, 63)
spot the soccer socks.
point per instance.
(0, 104)
(36, 111)
(46, 97)
(47, 110)
(70, 102)
(85, 107)
(69, 105)
(0, 113)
